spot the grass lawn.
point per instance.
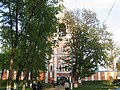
(86, 85)
(96, 85)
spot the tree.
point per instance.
(117, 53)
(26, 29)
(90, 44)
(2, 66)
(118, 65)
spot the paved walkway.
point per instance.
(114, 89)
(60, 87)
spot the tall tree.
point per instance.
(26, 29)
(90, 44)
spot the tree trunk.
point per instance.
(1, 75)
(2, 72)
(8, 87)
(76, 82)
(23, 88)
(10, 75)
(15, 86)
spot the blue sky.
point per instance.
(101, 8)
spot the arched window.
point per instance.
(66, 68)
(60, 67)
(51, 68)
(62, 29)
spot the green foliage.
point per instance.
(117, 53)
(26, 29)
(90, 45)
(118, 65)
(95, 85)
(1, 60)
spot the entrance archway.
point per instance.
(62, 80)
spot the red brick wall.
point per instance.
(103, 76)
(96, 76)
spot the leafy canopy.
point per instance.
(25, 31)
(90, 44)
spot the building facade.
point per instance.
(56, 68)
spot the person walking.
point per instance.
(39, 86)
(53, 84)
(67, 85)
(34, 85)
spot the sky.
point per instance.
(101, 8)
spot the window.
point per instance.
(62, 29)
(60, 67)
(66, 68)
(51, 68)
